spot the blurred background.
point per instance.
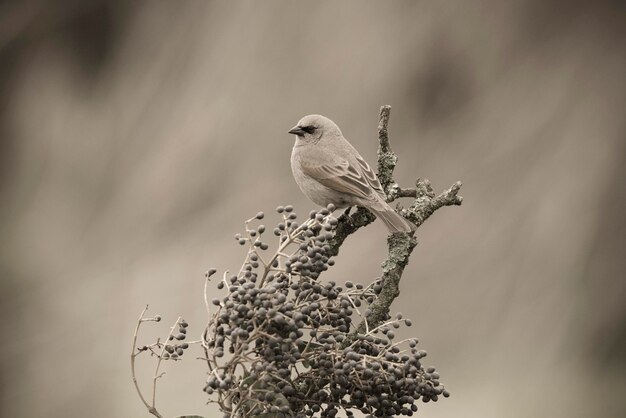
(136, 137)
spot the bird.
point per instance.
(329, 170)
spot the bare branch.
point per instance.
(134, 353)
(427, 203)
(401, 245)
(156, 370)
(386, 158)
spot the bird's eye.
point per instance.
(308, 129)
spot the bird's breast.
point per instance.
(313, 189)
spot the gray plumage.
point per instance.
(328, 169)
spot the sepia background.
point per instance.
(136, 137)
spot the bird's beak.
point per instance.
(296, 130)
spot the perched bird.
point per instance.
(330, 170)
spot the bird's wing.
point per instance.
(343, 177)
(369, 175)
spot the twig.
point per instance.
(156, 370)
(426, 203)
(386, 158)
(134, 353)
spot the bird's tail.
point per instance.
(391, 218)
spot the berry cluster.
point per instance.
(174, 351)
(281, 341)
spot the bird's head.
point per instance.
(313, 127)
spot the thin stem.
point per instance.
(156, 370)
(134, 354)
